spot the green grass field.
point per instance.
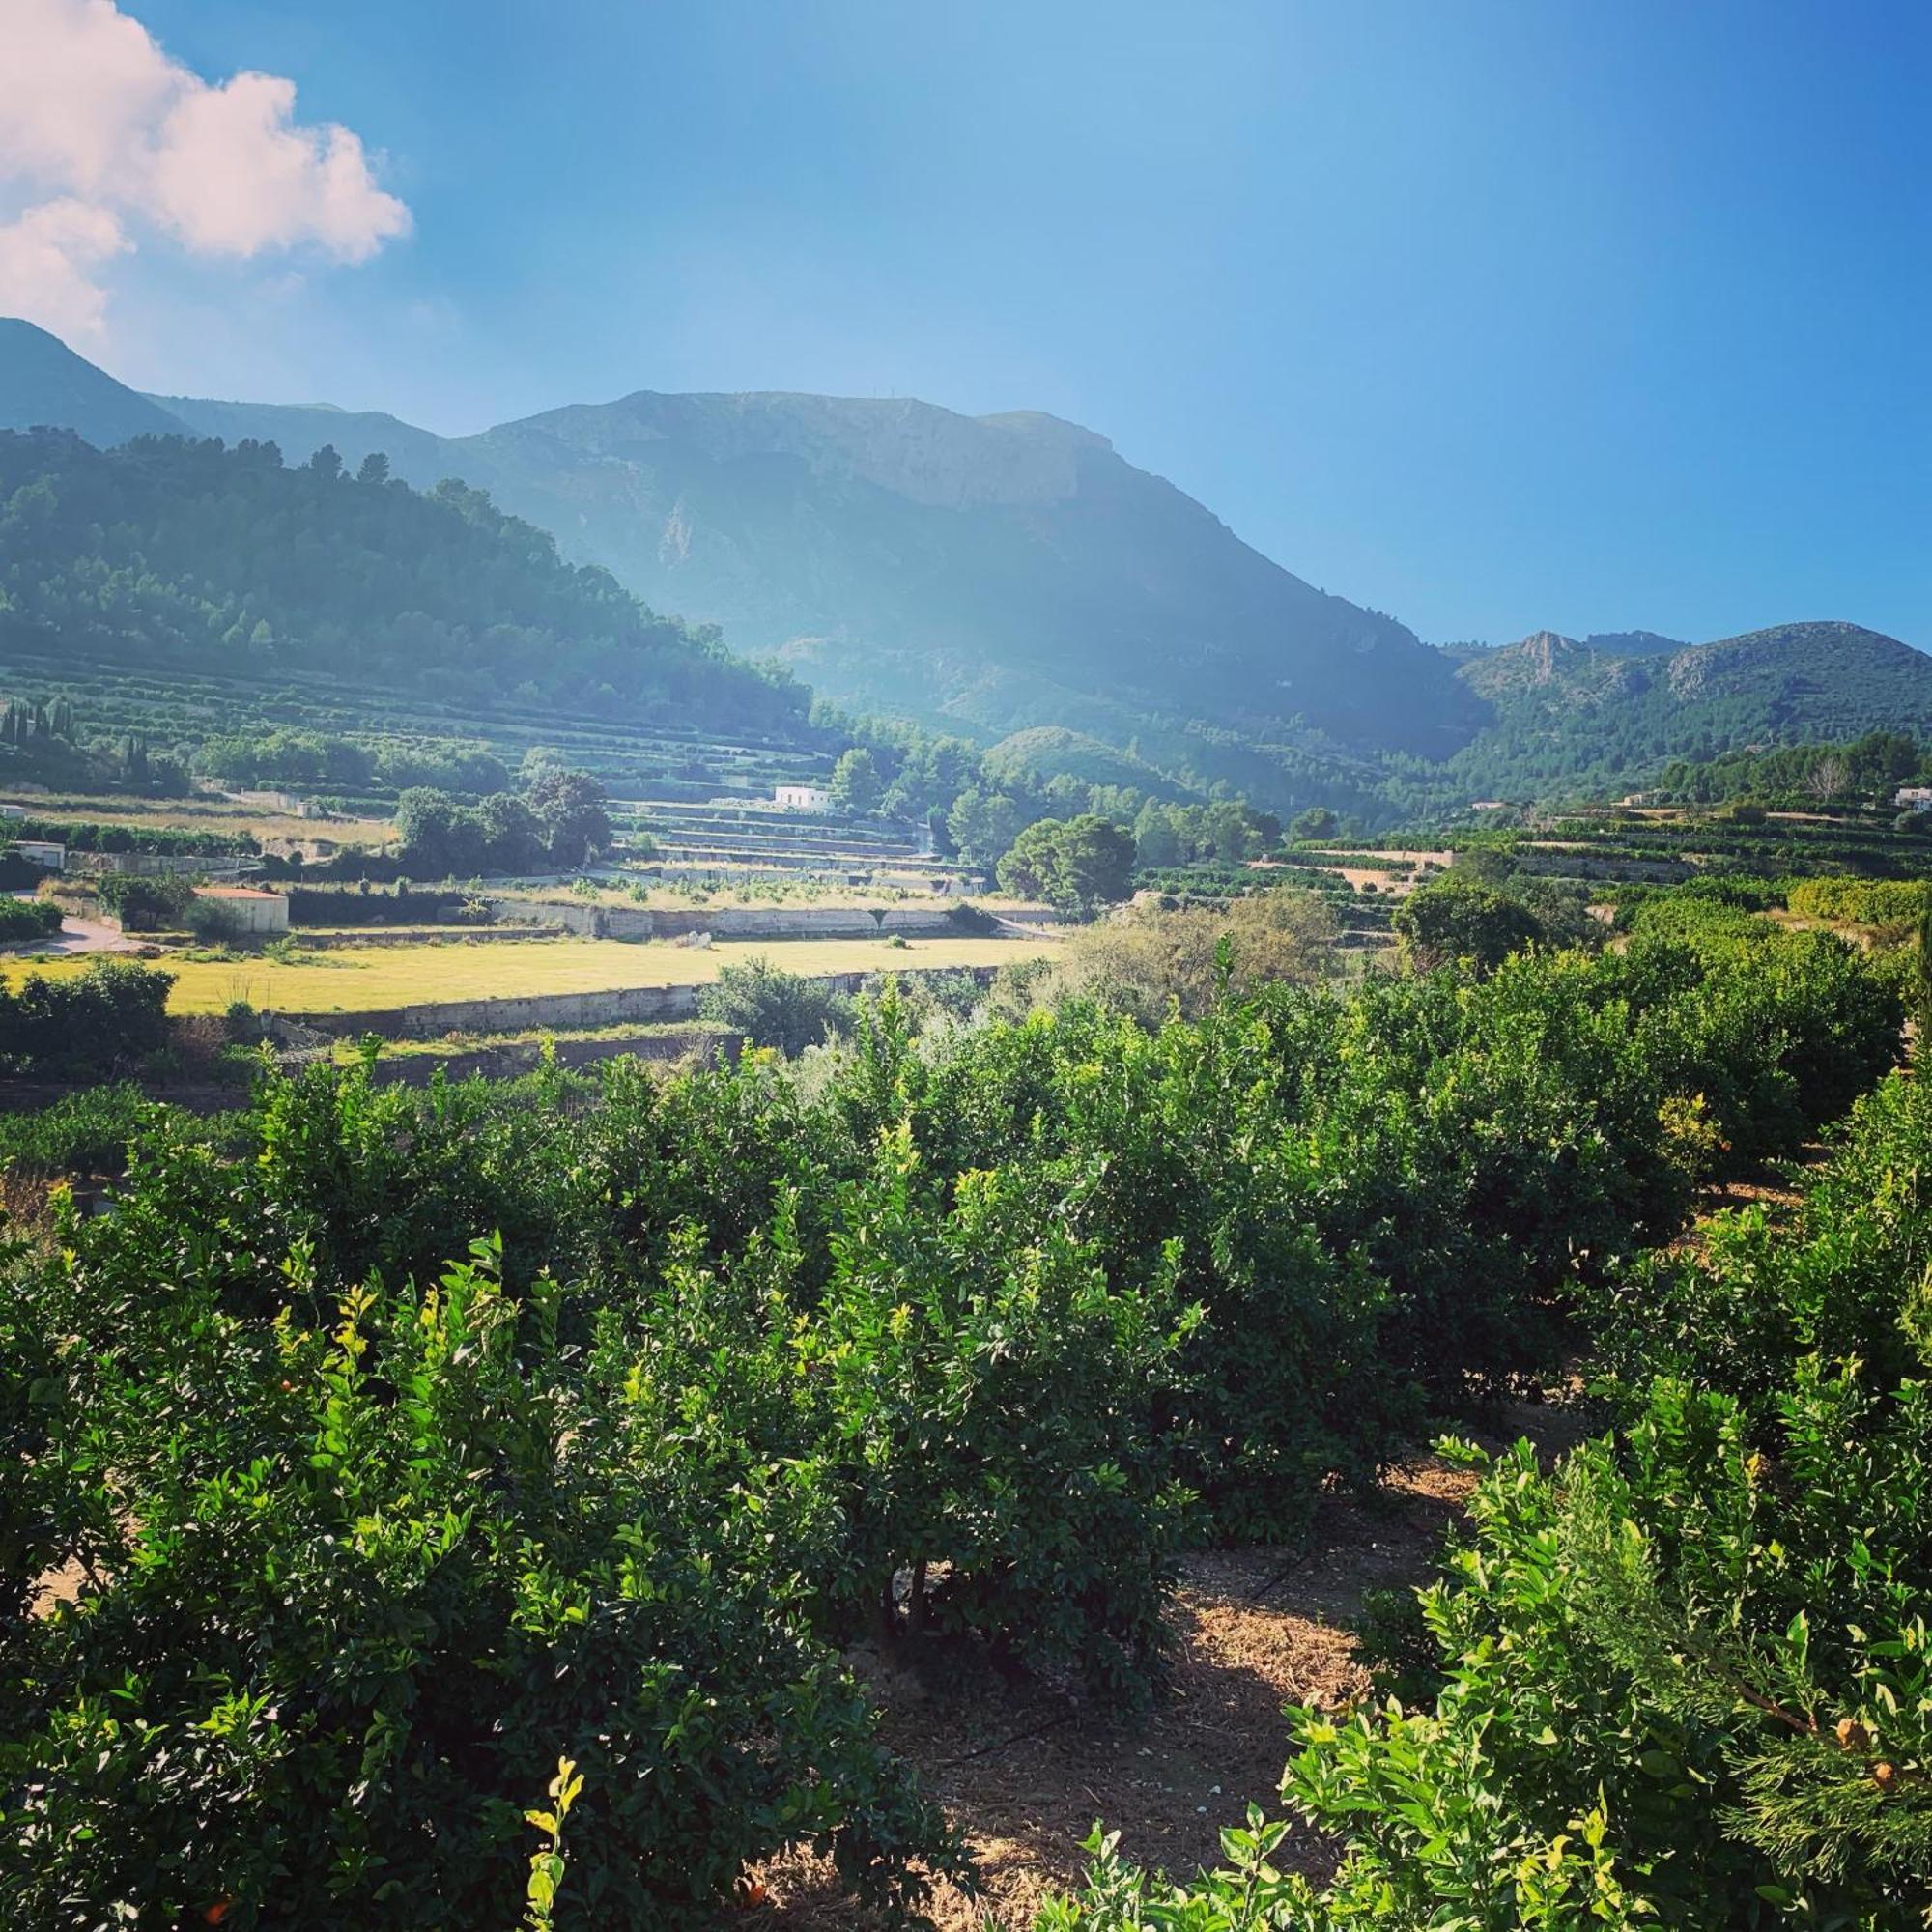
(375, 978)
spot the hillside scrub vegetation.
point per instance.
(1151, 954)
(582, 1420)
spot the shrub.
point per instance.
(213, 922)
(774, 1009)
(1897, 903)
(351, 1637)
(103, 1020)
(81, 1133)
(1145, 956)
(146, 904)
(28, 918)
(1463, 920)
(968, 918)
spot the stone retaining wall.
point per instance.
(1584, 865)
(571, 1012)
(806, 921)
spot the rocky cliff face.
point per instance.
(1552, 671)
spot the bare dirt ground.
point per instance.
(1025, 1774)
(1365, 878)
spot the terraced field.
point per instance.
(201, 814)
(1861, 842)
(725, 835)
(666, 759)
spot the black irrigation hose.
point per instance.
(1004, 1744)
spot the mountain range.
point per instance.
(991, 572)
(1006, 574)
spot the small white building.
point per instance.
(250, 908)
(1914, 798)
(802, 798)
(43, 853)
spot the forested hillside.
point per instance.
(1570, 716)
(170, 553)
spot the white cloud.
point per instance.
(47, 260)
(93, 114)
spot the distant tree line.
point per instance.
(43, 741)
(99, 836)
(978, 810)
(557, 822)
(1866, 769)
(297, 760)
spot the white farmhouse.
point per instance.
(250, 910)
(802, 798)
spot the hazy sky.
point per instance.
(1492, 316)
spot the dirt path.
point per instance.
(75, 935)
(1025, 1774)
(91, 935)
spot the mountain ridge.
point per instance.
(1011, 573)
(46, 383)
(981, 573)
(1567, 716)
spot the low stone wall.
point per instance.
(1584, 864)
(355, 939)
(756, 921)
(218, 866)
(587, 921)
(563, 1013)
(914, 921)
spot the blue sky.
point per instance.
(1492, 316)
